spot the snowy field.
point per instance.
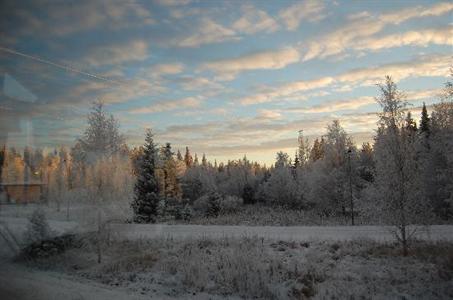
(231, 262)
(285, 233)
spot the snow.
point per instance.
(284, 233)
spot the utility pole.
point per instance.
(350, 187)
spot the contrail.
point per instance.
(67, 68)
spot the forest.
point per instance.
(404, 174)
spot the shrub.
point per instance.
(38, 228)
(208, 205)
(230, 204)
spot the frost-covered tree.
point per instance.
(102, 136)
(440, 179)
(188, 158)
(168, 176)
(38, 228)
(281, 187)
(425, 121)
(146, 190)
(317, 151)
(399, 196)
(303, 151)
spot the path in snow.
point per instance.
(287, 233)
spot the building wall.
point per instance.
(23, 193)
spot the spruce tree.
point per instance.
(146, 188)
(188, 158)
(179, 156)
(170, 186)
(204, 161)
(424, 122)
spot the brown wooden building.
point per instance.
(23, 192)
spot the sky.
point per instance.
(225, 78)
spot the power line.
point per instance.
(61, 66)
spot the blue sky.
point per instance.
(225, 78)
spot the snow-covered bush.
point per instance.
(38, 228)
(230, 204)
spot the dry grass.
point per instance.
(256, 268)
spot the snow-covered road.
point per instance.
(288, 233)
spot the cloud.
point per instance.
(208, 32)
(136, 50)
(165, 69)
(269, 114)
(360, 15)
(354, 32)
(422, 94)
(308, 10)
(168, 105)
(349, 104)
(358, 102)
(287, 89)
(228, 68)
(254, 20)
(196, 83)
(441, 36)
(424, 66)
(173, 2)
(44, 18)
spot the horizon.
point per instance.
(222, 79)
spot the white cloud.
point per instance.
(136, 50)
(195, 83)
(165, 69)
(441, 36)
(254, 20)
(208, 32)
(354, 32)
(56, 19)
(348, 104)
(425, 66)
(308, 10)
(277, 59)
(173, 2)
(356, 103)
(168, 105)
(287, 89)
(269, 114)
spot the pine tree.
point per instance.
(170, 187)
(204, 161)
(188, 158)
(179, 156)
(425, 121)
(411, 125)
(146, 188)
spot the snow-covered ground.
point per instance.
(284, 242)
(286, 233)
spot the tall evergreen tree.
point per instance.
(170, 186)
(188, 158)
(424, 122)
(179, 155)
(146, 190)
(204, 161)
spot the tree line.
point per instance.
(404, 175)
